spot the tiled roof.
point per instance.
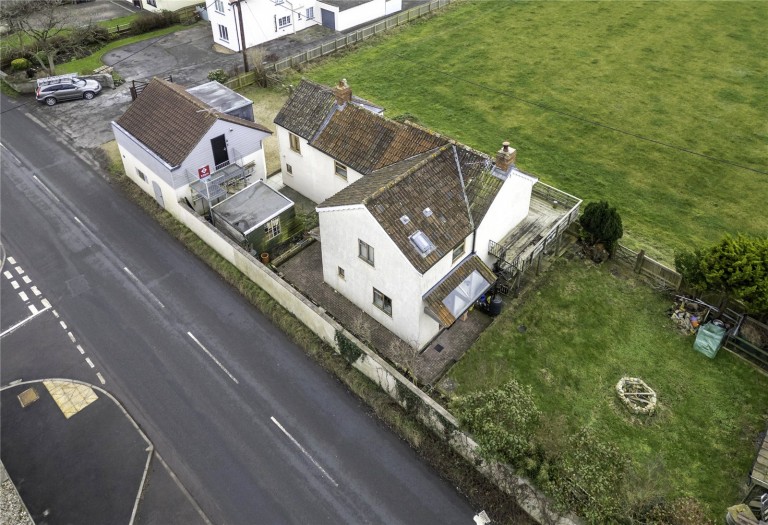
(365, 141)
(306, 109)
(435, 297)
(171, 122)
(435, 184)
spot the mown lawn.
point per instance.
(691, 74)
(585, 328)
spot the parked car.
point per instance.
(65, 87)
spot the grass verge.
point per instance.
(586, 326)
(481, 493)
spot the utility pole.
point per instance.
(242, 34)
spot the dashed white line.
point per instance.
(33, 309)
(21, 323)
(71, 337)
(88, 360)
(304, 451)
(56, 314)
(19, 270)
(47, 305)
(35, 290)
(63, 324)
(26, 279)
(11, 260)
(101, 378)
(14, 157)
(211, 356)
(15, 285)
(23, 296)
(38, 180)
(78, 220)
(80, 348)
(8, 275)
(141, 284)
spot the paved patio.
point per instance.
(305, 272)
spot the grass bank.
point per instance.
(479, 491)
(688, 74)
(588, 326)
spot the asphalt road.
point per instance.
(255, 430)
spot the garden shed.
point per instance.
(224, 100)
(258, 217)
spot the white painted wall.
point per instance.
(167, 5)
(260, 21)
(361, 14)
(505, 213)
(314, 172)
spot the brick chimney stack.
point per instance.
(342, 92)
(506, 157)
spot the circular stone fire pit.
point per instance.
(636, 395)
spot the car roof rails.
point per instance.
(52, 80)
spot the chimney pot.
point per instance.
(506, 157)
(342, 92)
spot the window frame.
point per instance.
(141, 175)
(294, 142)
(272, 228)
(366, 252)
(340, 169)
(386, 302)
(283, 21)
(341, 273)
(456, 255)
(218, 6)
(310, 13)
(223, 33)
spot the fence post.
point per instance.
(639, 261)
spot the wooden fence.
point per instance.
(343, 41)
(644, 265)
(750, 341)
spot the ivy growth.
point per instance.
(348, 350)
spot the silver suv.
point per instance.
(65, 87)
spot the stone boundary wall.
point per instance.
(397, 386)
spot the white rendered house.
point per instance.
(171, 142)
(265, 20)
(405, 215)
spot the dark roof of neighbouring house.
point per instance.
(171, 122)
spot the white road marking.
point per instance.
(26, 279)
(21, 323)
(33, 309)
(143, 287)
(211, 356)
(55, 313)
(101, 378)
(35, 290)
(304, 451)
(15, 382)
(48, 305)
(80, 348)
(23, 296)
(63, 324)
(15, 285)
(11, 260)
(8, 275)
(41, 182)
(19, 270)
(15, 159)
(88, 360)
(71, 337)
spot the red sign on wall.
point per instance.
(203, 172)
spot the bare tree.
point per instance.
(40, 20)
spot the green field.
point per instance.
(586, 328)
(690, 74)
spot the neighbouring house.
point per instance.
(257, 217)
(163, 5)
(265, 20)
(177, 147)
(406, 216)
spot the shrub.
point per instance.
(20, 64)
(503, 421)
(153, 21)
(218, 75)
(602, 224)
(89, 36)
(589, 478)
